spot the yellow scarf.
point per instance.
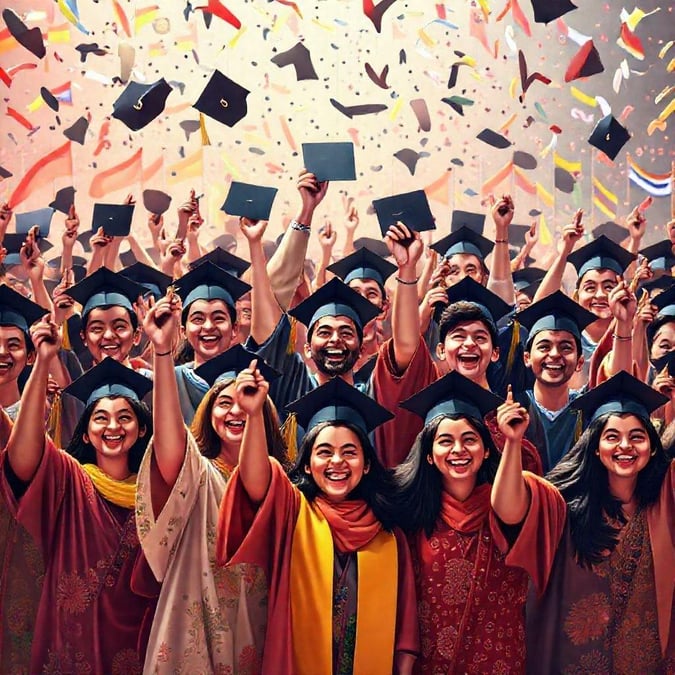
(119, 492)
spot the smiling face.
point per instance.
(468, 349)
(464, 265)
(337, 463)
(334, 345)
(458, 453)
(110, 333)
(553, 357)
(13, 354)
(209, 329)
(113, 428)
(624, 448)
(593, 292)
(244, 311)
(228, 420)
(663, 342)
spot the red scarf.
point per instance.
(352, 523)
(469, 515)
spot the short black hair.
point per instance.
(577, 340)
(464, 311)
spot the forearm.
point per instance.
(287, 263)
(140, 253)
(349, 242)
(621, 355)
(40, 293)
(265, 310)
(552, 280)
(254, 464)
(640, 351)
(500, 281)
(510, 497)
(519, 261)
(194, 251)
(425, 276)
(96, 260)
(66, 259)
(321, 273)
(111, 258)
(405, 318)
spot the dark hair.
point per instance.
(375, 488)
(357, 327)
(419, 484)
(85, 453)
(133, 318)
(577, 340)
(208, 440)
(464, 311)
(231, 310)
(655, 326)
(584, 484)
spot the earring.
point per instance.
(653, 453)
(486, 455)
(597, 452)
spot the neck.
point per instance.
(623, 489)
(228, 455)
(552, 398)
(117, 467)
(323, 378)
(597, 329)
(9, 394)
(459, 489)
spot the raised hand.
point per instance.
(327, 238)
(46, 338)
(161, 321)
(100, 239)
(253, 230)
(5, 216)
(636, 223)
(573, 232)
(311, 191)
(532, 235)
(405, 245)
(440, 273)
(251, 389)
(72, 223)
(664, 383)
(512, 418)
(502, 213)
(63, 303)
(155, 224)
(352, 221)
(622, 302)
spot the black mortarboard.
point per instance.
(363, 264)
(127, 258)
(17, 310)
(526, 277)
(450, 395)
(666, 361)
(410, 208)
(156, 201)
(64, 199)
(337, 401)
(617, 233)
(517, 234)
(665, 302)
(139, 103)
(40, 217)
(229, 364)
(556, 312)
(335, 299)
(152, 280)
(330, 161)
(210, 282)
(84, 238)
(464, 240)
(609, 136)
(223, 99)
(105, 288)
(251, 201)
(601, 254)
(77, 131)
(115, 219)
(622, 393)
(494, 139)
(474, 221)
(471, 291)
(30, 38)
(524, 160)
(376, 246)
(13, 243)
(546, 11)
(109, 378)
(586, 62)
(225, 241)
(225, 260)
(660, 255)
(662, 282)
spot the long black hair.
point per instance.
(85, 453)
(583, 482)
(419, 483)
(375, 488)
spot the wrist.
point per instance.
(305, 216)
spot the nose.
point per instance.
(235, 409)
(3, 348)
(108, 333)
(469, 341)
(554, 351)
(625, 443)
(113, 423)
(336, 458)
(208, 324)
(334, 337)
(600, 292)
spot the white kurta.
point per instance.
(209, 619)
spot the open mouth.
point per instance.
(335, 354)
(337, 476)
(113, 440)
(625, 460)
(555, 368)
(236, 425)
(460, 462)
(469, 360)
(5, 367)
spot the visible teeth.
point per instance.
(112, 438)
(460, 462)
(625, 458)
(237, 424)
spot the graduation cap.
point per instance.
(666, 361)
(30, 38)
(127, 258)
(84, 238)
(225, 260)
(156, 201)
(63, 200)
(109, 378)
(464, 240)
(494, 139)
(337, 401)
(330, 161)
(528, 276)
(586, 62)
(363, 264)
(78, 263)
(471, 291)
(13, 243)
(17, 310)
(556, 312)
(601, 254)
(115, 219)
(77, 131)
(250, 201)
(450, 395)
(609, 136)
(410, 208)
(376, 246)
(41, 217)
(524, 160)
(225, 241)
(617, 233)
(223, 99)
(210, 282)
(661, 282)
(622, 393)
(665, 302)
(152, 280)
(105, 288)
(660, 255)
(474, 221)
(335, 299)
(139, 103)
(229, 364)
(546, 11)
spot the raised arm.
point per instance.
(99, 242)
(623, 303)
(254, 465)
(500, 281)
(510, 497)
(552, 281)
(265, 310)
(69, 238)
(406, 247)
(351, 224)
(162, 324)
(27, 440)
(531, 239)
(34, 264)
(327, 239)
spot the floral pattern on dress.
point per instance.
(588, 619)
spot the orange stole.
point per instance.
(311, 581)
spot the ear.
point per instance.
(85, 437)
(575, 295)
(83, 337)
(307, 350)
(580, 363)
(440, 351)
(307, 469)
(495, 355)
(235, 329)
(137, 336)
(526, 360)
(366, 468)
(142, 431)
(430, 459)
(30, 358)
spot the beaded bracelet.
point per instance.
(300, 227)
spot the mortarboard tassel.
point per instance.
(293, 336)
(54, 420)
(289, 432)
(515, 340)
(65, 339)
(578, 428)
(202, 127)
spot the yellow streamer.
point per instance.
(584, 98)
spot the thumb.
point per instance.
(509, 394)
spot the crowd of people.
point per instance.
(399, 461)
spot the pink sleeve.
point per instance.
(394, 438)
(537, 542)
(407, 626)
